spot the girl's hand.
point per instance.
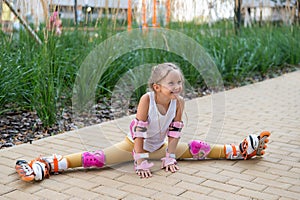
(144, 173)
(169, 162)
(173, 168)
(143, 169)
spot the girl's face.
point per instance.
(171, 85)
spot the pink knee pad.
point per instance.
(199, 149)
(93, 159)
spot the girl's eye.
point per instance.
(170, 83)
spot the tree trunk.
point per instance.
(237, 16)
(298, 12)
(75, 12)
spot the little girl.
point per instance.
(154, 134)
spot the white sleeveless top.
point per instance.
(158, 124)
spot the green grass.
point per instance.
(41, 77)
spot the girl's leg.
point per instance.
(184, 151)
(118, 153)
(41, 167)
(196, 149)
(251, 146)
(217, 152)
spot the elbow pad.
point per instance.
(175, 129)
(138, 129)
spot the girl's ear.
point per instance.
(156, 87)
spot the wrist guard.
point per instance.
(170, 159)
(145, 165)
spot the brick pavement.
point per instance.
(272, 105)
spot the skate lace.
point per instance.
(47, 167)
(244, 147)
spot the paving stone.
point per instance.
(135, 197)
(213, 176)
(50, 194)
(133, 179)
(112, 192)
(138, 190)
(221, 186)
(174, 190)
(256, 195)
(82, 183)
(6, 189)
(233, 175)
(107, 182)
(194, 187)
(282, 193)
(58, 186)
(187, 178)
(164, 195)
(271, 183)
(81, 193)
(247, 184)
(225, 195)
(17, 194)
(196, 196)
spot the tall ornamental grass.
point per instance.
(256, 51)
(41, 77)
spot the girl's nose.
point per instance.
(177, 86)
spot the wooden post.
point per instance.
(106, 9)
(27, 27)
(116, 15)
(154, 14)
(168, 14)
(129, 15)
(45, 10)
(144, 14)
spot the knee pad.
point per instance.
(93, 159)
(199, 149)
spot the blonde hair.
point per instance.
(160, 71)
